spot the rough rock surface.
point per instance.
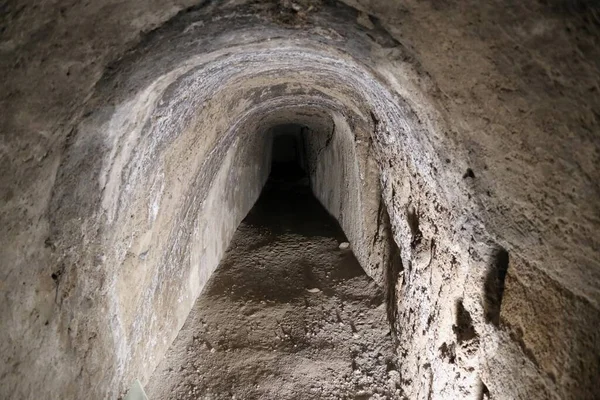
(286, 315)
(133, 143)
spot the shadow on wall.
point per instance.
(394, 270)
(494, 286)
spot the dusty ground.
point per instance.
(287, 315)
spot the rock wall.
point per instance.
(134, 145)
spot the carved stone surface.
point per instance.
(135, 137)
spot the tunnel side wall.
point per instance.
(345, 179)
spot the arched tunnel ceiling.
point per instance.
(155, 151)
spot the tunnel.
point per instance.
(288, 154)
(450, 150)
(288, 312)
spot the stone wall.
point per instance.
(134, 144)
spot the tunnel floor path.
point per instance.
(286, 315)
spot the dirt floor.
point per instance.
(287, 315)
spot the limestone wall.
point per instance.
(133, 145)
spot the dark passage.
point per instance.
(288, 155)
(286, 315)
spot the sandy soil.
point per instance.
(287, 315)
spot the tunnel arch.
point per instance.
(174, 145)
(159, 279)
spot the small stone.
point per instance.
(344, 245)
(313, 290)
